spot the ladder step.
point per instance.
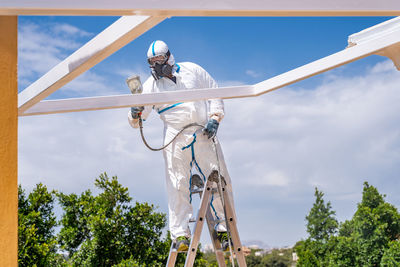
(196, 191)
(193, 220)
(200, 190)
(176, 251)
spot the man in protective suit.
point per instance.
(193, 150)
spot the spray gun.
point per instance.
(135, 86)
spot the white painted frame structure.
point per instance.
(141, 16)
(382, 39)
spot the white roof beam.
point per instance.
(202, 8)
(120, 33)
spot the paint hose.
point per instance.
(173, 139)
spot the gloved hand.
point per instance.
(135, 111)
(211, 128)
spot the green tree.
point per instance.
(307, 258)
(391, 256)
(321, 221)
(36, 225)
(211, 259)
(321, 226)
(277, 258)
(105, 230)
(370, 238)
(343, 252)
(375, 224)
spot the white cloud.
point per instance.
(90, 84)
(67, 29)
(125, 73)
(273, 178)
(41, 47)
(382, 67)
(253, 73)
(230, 83)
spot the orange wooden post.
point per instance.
(8, 142)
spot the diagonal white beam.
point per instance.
(120, 33)
(108, 102)
(202, 7)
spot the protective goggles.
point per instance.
(160, 59)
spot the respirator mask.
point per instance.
(159, 66)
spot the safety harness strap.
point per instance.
(191, 145)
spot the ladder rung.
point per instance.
(196, 191)
(200, 190)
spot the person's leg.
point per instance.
(177, 165)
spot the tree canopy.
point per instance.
(37, 244)
(107, 229)
(369, 238)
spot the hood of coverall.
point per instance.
(160, 48)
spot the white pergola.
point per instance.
(138, 17)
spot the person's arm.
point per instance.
(215, 110)
(147, 88)
(215, 106)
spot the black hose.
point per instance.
(173, 139)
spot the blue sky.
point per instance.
(335, 130)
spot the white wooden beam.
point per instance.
(120, 33)
(202, 7)
(121, 101)
(377, 45)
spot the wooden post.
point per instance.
(8, 142)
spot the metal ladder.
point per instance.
(204, 212)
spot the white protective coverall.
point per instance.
(191, 151)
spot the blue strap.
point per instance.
(179, 68)
(152, 48)
(191, 163)
(191, 145)
(167, 108)
(212, 206)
